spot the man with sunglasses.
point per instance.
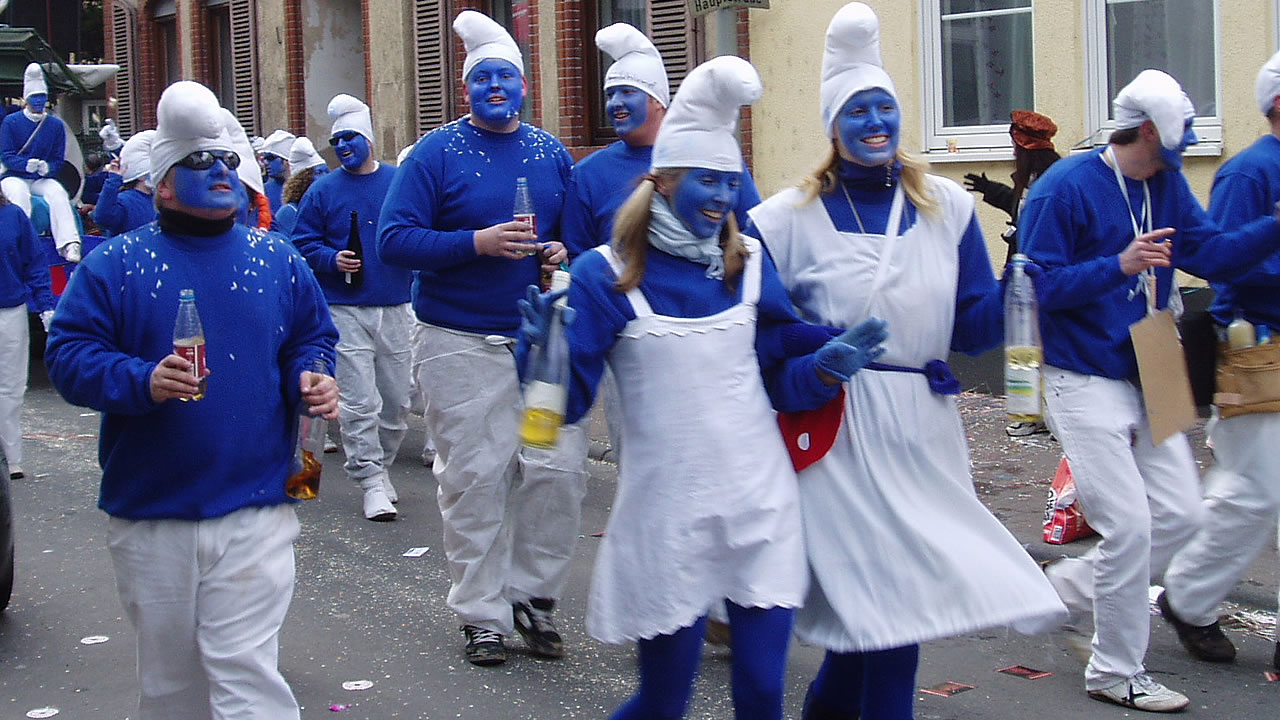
(275, 161)
(369, 301)
(201, 531)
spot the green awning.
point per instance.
(20, 47)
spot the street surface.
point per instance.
(363, 611)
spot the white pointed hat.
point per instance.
(348, 113)
(135, 156)
(699, 129)
(851, 61)
(637, 61)
(1154, 95)
(249, 171)
(485, 39)
(277, 143)
(188, 118)
(1267, 86)
(33, 81)
(303, 155)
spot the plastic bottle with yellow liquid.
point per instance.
(1241, 333)
(1023, 351)
(546, 389)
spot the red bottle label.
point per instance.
(530, 218)
(194, 354)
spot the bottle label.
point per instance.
(530, 218)
(545, 396)
(194, 353)
(1022, 390)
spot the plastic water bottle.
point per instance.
(304, 480)
(546, 391)
(1023, 352)
(1241, 333)
(188, 340)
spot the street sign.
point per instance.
(702, 7)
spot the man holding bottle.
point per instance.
(201, 531)
(510, 514)
(369, 300)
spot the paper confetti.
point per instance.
(415, 552)
(44, 712)
(94, 640)
(357, 685)
(947, 689)
(1023, 671)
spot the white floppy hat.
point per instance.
(249, 171)
(485, 39)
(1154, 95)
(637, 62)
(851, 61)
(188, 118)
(33, 81)
(699, 128)
(303, 155)
(348, 113)
(1267, 86)
(135, 157)
(277, 143)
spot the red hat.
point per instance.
(1031, 130)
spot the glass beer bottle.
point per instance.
(547, 391)
(355, 278)
(304, 479)
(188, 340)
(1023, 351)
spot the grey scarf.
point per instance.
(669, 235)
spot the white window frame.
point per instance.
(1098, 104)
(961, 143)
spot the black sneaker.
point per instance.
(1206, 643)
(533, 622)
(1275, 659)
(484, 647)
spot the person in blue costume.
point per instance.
(511, 514)
(1109, 227)
(689, 314)
(305, 167)
(1242, 491)
(33, 147)
(23, 272)
(201, 531)
(275, 161)
(901, 551)
(369, 300)
(126, 202)
(95, 174)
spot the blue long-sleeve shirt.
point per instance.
(323, 228)
(22, 266)
(1247, 187)
(93, 187)
(601, 182)
(49, 145)
(285, 219)
(459, 179)
(1075, 223)
(264, 320)
(273, 189)
(119, 211)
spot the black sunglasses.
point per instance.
(341, 137)
(204, 159)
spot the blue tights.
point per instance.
(669, 663)
(876, 685)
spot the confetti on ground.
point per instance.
(1023, 671)
(947, 689)
(44, 712)
(415, 552)
(599, 534)
(357, 685)
(1271, 676)
(1258, 623)
(340, 708)
(94, 640)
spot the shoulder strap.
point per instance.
(638, 303)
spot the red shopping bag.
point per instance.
(1064, 521)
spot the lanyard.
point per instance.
(1146, 278)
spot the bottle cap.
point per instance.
(1020, 259)
(560, 280)
(187, 294)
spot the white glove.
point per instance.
(46, 317)
(43, 169)
(33, 165)
(70, 252)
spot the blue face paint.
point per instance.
(275, 167)
(704, 199)
(1173, 158)
(627, 107)
(37, 101)
(213, 188)
(352, 149)
(496, 91)
(868, 126)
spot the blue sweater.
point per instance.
(1246, 188)
(600, 184)
(22, 265)
(50, 145)
(273, 188)
(265, 320)
(680, 288)
(119, 212)
(323, 227)
(286, 219)
(459, 179)
(93, 187)
(1075, 224)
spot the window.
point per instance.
(516, 17)
(169, 62)
(222, 76)
(434, 54)
(978, 67)
(1124, 37)
(122, 54)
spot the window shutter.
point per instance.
(431, 48)
(243, 62)
(122, 54)
(671, 29)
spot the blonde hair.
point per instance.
(914, 180)
(631, 232)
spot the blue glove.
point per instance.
(536, 309)
(844, 355)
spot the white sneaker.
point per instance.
(390, 490)
(15, 472)
(1142, 692)
(377, 506)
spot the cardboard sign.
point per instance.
(1166, 389)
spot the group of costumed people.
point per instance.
(792, 460)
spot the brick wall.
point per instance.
(365, 42)
(148, 77)
(199, 48)
(744, 51)
(295, 76)
(575, 132)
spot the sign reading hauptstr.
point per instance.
(702, 7)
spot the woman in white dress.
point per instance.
(687, 313)
(900, 548)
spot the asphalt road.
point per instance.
(363, 611)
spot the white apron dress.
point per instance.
(707, 507)
(901, 549)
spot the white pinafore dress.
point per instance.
(707, 507)
(901, 549)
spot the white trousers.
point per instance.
(511, 513)
(1144, 501)
(373, 385)
(62, 221)
(418, 395)
(14, 348)
(1241, 505)
(207, 600)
